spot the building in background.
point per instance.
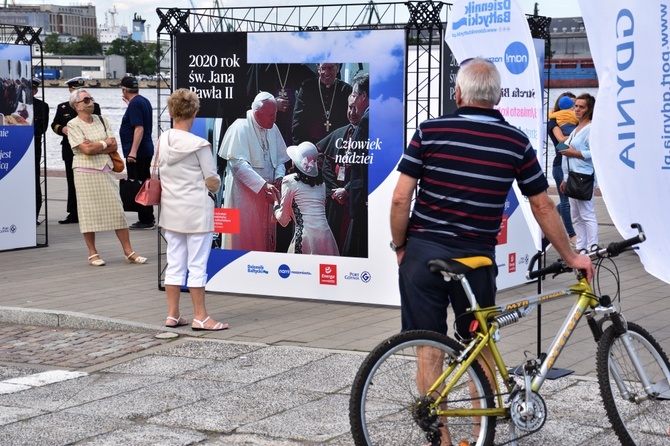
(90, 67)
(571, 63)
(67, 21)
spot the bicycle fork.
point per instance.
(621, 329)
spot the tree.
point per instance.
(52, 45)
(140, 57)
(84, 46)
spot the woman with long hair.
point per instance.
(577, 158)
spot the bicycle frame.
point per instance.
(484, 336)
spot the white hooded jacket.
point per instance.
(187, 170)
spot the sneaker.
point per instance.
(140, 225)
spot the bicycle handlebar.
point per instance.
(612, 250)
(616, 248)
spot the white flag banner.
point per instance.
(630, 134)
(498, 31)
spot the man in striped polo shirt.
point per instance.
(464, 166)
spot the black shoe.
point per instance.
(69, 219)
(140, 225)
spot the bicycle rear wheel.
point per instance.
(637, 419)
(386, 407)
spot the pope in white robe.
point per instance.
(255, 151)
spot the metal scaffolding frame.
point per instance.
(26, 35)
(423, 22)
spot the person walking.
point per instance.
(99, 205)
(136, 143)
(188, 176)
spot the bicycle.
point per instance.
(421, 387)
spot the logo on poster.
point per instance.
(485, 14)
(516, 58)
(363, 276)
(284, 271)
(511, 262)
(11, 229)
(327, 274)
(257, 269)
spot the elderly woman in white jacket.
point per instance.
(187, 172)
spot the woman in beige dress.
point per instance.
(98, 202)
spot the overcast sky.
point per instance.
(147, 8)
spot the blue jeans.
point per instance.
(563, 206)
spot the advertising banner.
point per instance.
(630, 134)
(320, 80)
(498, 31)
(17, 159)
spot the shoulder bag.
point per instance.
(579, 185)
(128, 189)
(117, 161)
(150, 192)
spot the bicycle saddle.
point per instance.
(461, 265)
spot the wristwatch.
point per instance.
(396, 248)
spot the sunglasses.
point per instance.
(86, 100)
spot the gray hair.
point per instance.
(260, 100)
(479, 82)
(74, 96)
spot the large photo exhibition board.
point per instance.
(227, 70)
(17, 159)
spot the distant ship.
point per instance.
(570, 73)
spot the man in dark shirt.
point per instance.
(136, 142)
(64, 114)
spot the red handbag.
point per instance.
(150, 192)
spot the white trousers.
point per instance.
(187, 252)
(584, 221)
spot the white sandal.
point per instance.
(138, 259)
(176, 322)
(98, 262)
(217, 327)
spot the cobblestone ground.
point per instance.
(71, 348)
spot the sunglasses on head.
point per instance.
(87, 100)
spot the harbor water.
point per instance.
(113, 108)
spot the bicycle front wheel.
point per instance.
(389, 404)
(639, 418)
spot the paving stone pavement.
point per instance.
(280, 376)
(68, 347)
